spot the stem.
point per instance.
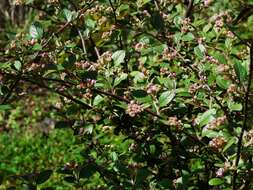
(189, 9)
(246, 115)
(58, 92)
(14, 84)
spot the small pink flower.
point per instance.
(133, 109)
(207, 2)
(220, 172)
(139, 46)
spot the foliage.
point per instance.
(158, 93)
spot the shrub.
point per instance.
(157, 92)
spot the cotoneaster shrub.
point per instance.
(157, 92)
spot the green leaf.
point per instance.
(233, 106)
(166, 98)
(5, 107)
(232, 141)
(90, 23)
(241, 71)
(118, 80)
(17, 65)
(140, 3)
(215, 181)
(142, 174)
(199, 51)
(188, 37)
(206, 117)
(114, 156)
(37, 47)
(36, 30)
(118, 57)
(157, 21)
(138, 76)
(43, 176)
(209, 133)
(97, 100)
(67, 14)
(222, 83)
(207, 27)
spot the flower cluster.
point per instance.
(219, 20)
(70, 165)
(133, 147)
(98, 8)
(139, 46)
(212, 59)
(88, 95)
(52, 1)
(35, 66)
(175, 122)
(230, 34)
(169, 55)
(249, 138)
(153, 88)
(106, 57)
(216, 123)
(222, 68)
(221, 171)
(185, 25)
(87, 65)
(232, 88)
(217, 143)
(133, 109)
(207, 2)
(87, 84)
(193, 88)
(18, 2)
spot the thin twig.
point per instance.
(246, 115)
(239, 38)
(82, 40)
(14, 84)
(58, 92)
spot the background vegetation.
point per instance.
(145, 94)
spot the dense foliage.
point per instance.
(157, 93)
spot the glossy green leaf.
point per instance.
(233, 106)
(118, 57)
(67, 14)
(241, 71)
(119, 79)
(199, 51)
(215, 181)
(222, 83)
(188, 37)
(206, 117)
(17, 65)
(36, 30)
(165, 98)
(231, 141)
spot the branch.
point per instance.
(189, 9)
(14, 84)
(239, 38)
(246, 115)
(58, 92)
